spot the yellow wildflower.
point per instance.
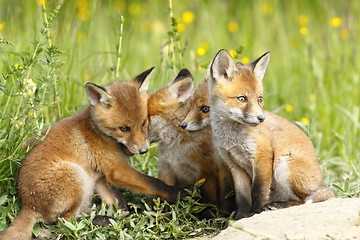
(2, 26)
(344, 34)
(82, 4)
(245, 60)
(41, 2)
(267, 8)
(288, 107)
(188, 17)
(233, 27)
(335, 22)
(305, 121)
(303, 20)
(83, 15)
(201, 51)
(201, 180)
(134, 9)
(85, 77)
(82, 10)
(16, 65)
(181, 27)
(304, 31)
(233, 53)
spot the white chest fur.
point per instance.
(177, 157)
(234, 144)
(173, 153)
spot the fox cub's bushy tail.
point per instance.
(21, 228)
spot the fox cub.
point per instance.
(185, 157)
(272, 161)
(198, 117)
(85, 153)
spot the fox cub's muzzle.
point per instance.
(261, 118)
(253, 120)
(183, 125)
(143, 150)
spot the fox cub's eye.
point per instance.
(242, 99)
(260, 99)
(144, 123)
(205, 109)
(125, 129)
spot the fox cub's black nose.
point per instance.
(261, 118)
(183, 125)
(143, 150)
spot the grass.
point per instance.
(47, 55)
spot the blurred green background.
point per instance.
(47, 55)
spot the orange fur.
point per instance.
(86, 152)
(261, 147)
(198, 117)
(186, 157)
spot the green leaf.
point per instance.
(3, 199)
(70, 226)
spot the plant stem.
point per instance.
(119, 47)
(46, 24)
(48, 36)
(171, 51)
(33, 57)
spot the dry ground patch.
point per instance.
(334, 219)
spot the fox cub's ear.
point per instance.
(259, 66)
(98, 95)
(223, 66)
(143, 80)
(183, 85)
